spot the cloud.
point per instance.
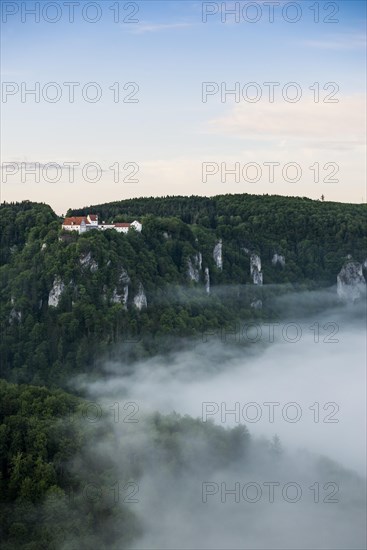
(306, 121)
(305, 372)
(154, 27)
(335, 145)
(339, 42)
(316, 375)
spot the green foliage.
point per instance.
(58, 471)
(47, 452)
(45, 501)
(21, 220)
(42, 344)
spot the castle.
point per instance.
(89, 222)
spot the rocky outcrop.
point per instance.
(218, 254)
(86, 261)
(207, 280)
(351, 284)
(120, 298)
(120, 293)
(15, 314)
(255, 269)
(278, 259)
(140, 299)
(192, 272)
(194, 267)
(56, 292)
(124, 277)
(199, 260)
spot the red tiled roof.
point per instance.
(122, 224)
(77, 220)
(93, 217)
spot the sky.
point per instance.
(153, 113)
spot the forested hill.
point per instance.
(315, 236)
(69, 302)
(17, 221)
(258, 212)
(197, 265)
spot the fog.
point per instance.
(302, 379)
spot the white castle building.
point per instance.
(89, 222)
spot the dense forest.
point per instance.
(69, 482)
(307, 232)
(55, 489)
(70, 301)
(66, 298)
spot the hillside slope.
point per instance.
(65, 298)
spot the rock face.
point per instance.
(15, 315)
(55, 292)
(124, 277)
(278, 259)
(218, 254)
(351, 285)
(120, 295)
(192, 272)
(194, 267)
(199, 260)
(86, 260)
(120, 298)
(255, 269)
(140, 300)
(207, 280)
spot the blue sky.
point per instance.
(170, 132)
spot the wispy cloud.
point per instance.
(339, 42)
(306, 121)
(12, 72)
(158, 27)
